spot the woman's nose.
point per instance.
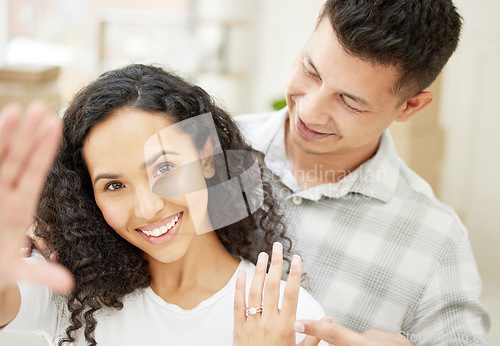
(147, 204)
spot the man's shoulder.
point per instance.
(250, 122)
(408, 197)
(425, 207)
(253, 118)
(259, 128)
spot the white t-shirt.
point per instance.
(146, 319)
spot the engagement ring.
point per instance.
(253, 310)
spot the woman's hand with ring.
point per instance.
(263, 323)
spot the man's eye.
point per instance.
(309, 73)
(113, 186)
(162, 169)
(352, 109)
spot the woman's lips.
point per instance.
(162, 232)
(307, 133)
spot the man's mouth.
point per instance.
(161, 228)
(307, 132)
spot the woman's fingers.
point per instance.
(255, 293)
(310, 341)
(19, 147)
(27, 154)
(52, 275)
(9, 118)
(273, 281)
(240, 305)
(35, 169)
(292, 289)
(272, 327)
(13, 269)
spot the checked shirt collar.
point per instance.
(376, 178)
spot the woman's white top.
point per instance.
(146, 319)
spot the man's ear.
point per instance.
(321, 10)
(414, 105)
(207, 159)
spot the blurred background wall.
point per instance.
(240, 52)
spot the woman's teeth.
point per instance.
(163, 229)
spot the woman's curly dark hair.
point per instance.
(105, 266)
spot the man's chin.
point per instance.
(310, 147)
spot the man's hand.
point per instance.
(27, 146)
(340, 336)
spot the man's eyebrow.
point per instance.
(355, 98)
(309, 61)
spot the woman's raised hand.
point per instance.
(28, 144)
(263, 323)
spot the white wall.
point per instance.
(283, 28)
(270, 36)
(4, 28)
(231, 85)
(471, 118)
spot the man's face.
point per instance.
(338, 103)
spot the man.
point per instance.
(380, 251)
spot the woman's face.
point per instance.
(126, 155)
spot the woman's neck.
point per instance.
(205, 269)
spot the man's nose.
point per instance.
(315, 108)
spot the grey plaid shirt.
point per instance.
(379, 250)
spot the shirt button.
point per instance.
(296, 200)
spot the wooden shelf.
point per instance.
(28, 73)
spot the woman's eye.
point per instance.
(113, 186)
(162, 169)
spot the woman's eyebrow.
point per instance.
(106, 176)
(149, 162)
(156, 156)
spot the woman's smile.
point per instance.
(163, 231)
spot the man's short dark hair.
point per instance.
(415, 36)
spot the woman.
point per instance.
(129, 208)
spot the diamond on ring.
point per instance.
(254, 310)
